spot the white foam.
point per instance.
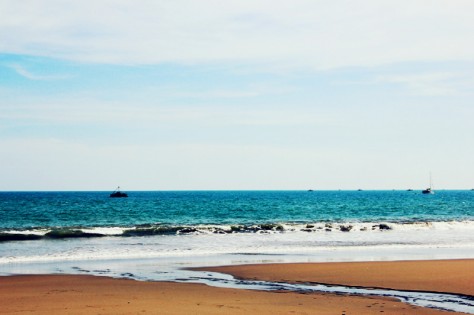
(28, 232)
(105, 230)
(292, 242)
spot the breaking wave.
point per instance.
(42, 233)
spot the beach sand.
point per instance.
(449, 276)
(64, 294)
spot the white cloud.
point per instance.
(92, 112)
(429, 84)
(319, 34)
(19, 69)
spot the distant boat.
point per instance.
(118, 194)
(428, 190)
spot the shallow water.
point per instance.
(442, 301)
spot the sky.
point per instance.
(224, 95)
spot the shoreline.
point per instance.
(82, 294)
(440, 276)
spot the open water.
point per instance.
(154, 235)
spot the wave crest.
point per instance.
(263, 228)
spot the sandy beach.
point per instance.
(453, 276)
(65, 294)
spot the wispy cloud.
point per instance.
(22, 71)
(317, 34)
(91, 112)
(428, 84)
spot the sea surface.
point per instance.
(157, 235)
(52, 231)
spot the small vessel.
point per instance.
(118, 194)
(428, 190)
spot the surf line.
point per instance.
(440, 301)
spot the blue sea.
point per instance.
(159, 235)
(158, 213)
(44, 232)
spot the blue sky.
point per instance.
(161, 95)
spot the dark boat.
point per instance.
(118, 194)
(428, 190)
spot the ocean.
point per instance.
(74, 232)
(158, 235)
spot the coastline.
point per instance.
(444, 276)
(79, 294)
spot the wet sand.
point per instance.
(64, 294)
(448, 276)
